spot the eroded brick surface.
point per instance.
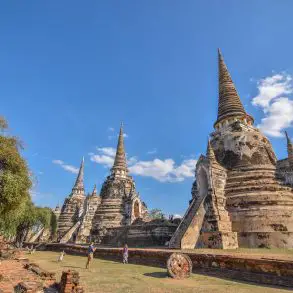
(13, 273)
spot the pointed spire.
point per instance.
(210, 152)
(94, 193)
(289, 149)
(79, 185)
(120, 158)
(288, 138)
(229, 104)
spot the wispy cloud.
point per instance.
(105, 156)
(39, 195)
(66, 167)
(111, 129)
(152, 152)
(109, 151)
(277, 107)
(158, 169)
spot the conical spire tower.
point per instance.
(289, 149)
(94, 193)
(229, 103)
(79, 185)
(120, 165)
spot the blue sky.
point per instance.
(71, 71)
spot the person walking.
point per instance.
(90, 255)
(125, 254)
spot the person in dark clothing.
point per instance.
(90, 255)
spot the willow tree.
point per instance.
(15, 181)
(33, 218)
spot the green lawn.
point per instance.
(108, 276)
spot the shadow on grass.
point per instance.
(159, 275)
(239, 277)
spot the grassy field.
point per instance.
(275, 253)
(107, 276)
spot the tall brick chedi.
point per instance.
(72, 208)
(120, 203)
(238, 198)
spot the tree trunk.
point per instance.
(21, 233)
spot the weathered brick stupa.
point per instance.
(238, 198)
(75, 219)
(72, 208)
(120, 203)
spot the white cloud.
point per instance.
(177, 216)
(151, 152)
(164, 170)
(103, 160)
(277, 107)
(108, 151)
(158, 169)
(132, 160)
(58, 162)
(161, 170)
(104, 157)
(66, 167)
(111, 129)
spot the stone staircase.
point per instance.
(35, 237)
(194, 213)
(69, 234)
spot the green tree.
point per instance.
(18, 214)
(53, 225)
(156, 214)
(15, 182)
(3, 124)
(33, 218)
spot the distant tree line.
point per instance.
(18, 214)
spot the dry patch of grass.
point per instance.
(107, 276)
(274, 253)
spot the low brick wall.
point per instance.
(260, 270)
